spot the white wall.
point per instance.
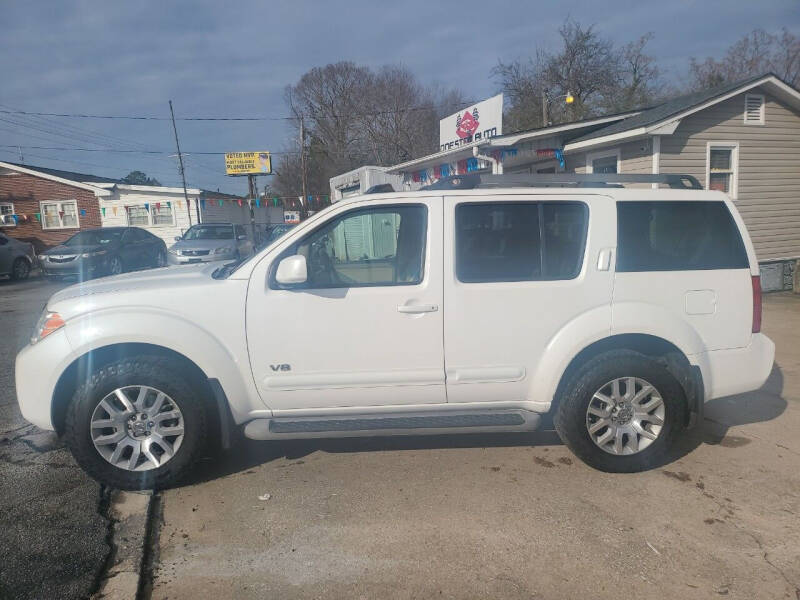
(121, 199)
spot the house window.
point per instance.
(754, 109)
(6, 210)
(140, 216)
(137, 216)
(603, 162)
(60, 215)
(162, 215)
(721, 167)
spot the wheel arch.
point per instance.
(659, 348)
(81, 368)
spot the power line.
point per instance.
(261, 118)
(123, 151)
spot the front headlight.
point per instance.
(223, 250)
(95, 253)
(47, 324)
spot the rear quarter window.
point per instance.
(677, 236)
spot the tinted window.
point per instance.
(94, 237)
(378, 246)
(209, 232)
(677, 236)
(520, 241)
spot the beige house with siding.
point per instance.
(742, 138)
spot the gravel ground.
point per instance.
(502, 516)
(52, 534)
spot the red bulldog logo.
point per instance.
(468, 124)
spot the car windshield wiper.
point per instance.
(225, 270)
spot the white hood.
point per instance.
(154, 281)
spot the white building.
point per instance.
(360, 180)
(163, 211)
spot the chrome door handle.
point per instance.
(417, 308)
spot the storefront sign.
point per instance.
(477, 122)
(291, 216)
(248, 163)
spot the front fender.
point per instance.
(227, 362)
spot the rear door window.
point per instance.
(677, 236)
(519, 241)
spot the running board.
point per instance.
(399, 424)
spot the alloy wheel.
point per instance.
(137, 428)
(625, 415)
(116, 266)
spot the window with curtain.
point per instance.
(60, 215)
(137, 215)
(720, 169)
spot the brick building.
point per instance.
(47, 206)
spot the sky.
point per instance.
(234, 59)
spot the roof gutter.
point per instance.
(497, 165)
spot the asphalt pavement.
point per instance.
(54, 537)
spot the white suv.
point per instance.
(465, 307)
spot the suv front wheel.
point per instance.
(136, 424)
(621, 412)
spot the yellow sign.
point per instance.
(248, 163)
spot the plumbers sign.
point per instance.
(477, 122)
(248, 163)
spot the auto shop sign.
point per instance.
(477, 122)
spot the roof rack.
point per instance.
(472, 181)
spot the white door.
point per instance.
(518, 268)
(366, 329)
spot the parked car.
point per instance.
(104, 251)
(16, 258)
(208, 242)
(482, 306)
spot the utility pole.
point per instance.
(183, 173)
(544, 109)
(21, 157)
(303, 164)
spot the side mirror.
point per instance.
(292, 270)
(178, 238)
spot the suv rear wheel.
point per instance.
(621, 412)
(136, 424)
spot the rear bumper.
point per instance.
(738, 370)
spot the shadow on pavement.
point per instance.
(762, 405)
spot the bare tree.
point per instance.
(756, 53)
(639, 77)
(599, 77)
(355, 116)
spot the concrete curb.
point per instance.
(129, 513)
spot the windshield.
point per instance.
(209, 232)
(278, 231)
(95, 237)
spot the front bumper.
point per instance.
(736, 370)
(174, 259)
(37, 370)
(78, 266)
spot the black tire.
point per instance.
(20, 269)
(570, 418)
(162, 373)
(161, 259)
